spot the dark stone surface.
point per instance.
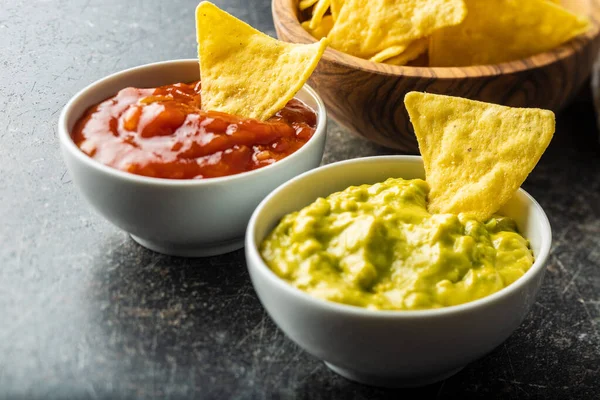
(87, 313)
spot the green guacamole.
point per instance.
(376, 246)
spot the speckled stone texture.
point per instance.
(87, 313)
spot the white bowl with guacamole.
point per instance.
(352, 267)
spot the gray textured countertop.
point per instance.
(87, 313)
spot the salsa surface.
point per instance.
(163, 132)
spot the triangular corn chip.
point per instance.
(476, 155)
(412, 52)
(245, 72)
(389, 53)
(318, 12)
(336, 5)
(496, 31)
(364, 28)
(304, 4)
(322, 30)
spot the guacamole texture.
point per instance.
(377, 246)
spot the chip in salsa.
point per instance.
(245, 72)
(164, 133)
(243, 115)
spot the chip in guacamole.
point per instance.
(377, 246)
(476, 154)
(414, 244)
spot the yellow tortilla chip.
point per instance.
(476, 155)
(335, 7)
(412, 52)
(421, 61)
(364, 28)
(322, 30)
(304, 4)
(245, 72)
(388, 53)
(318, 12)
(496, 31)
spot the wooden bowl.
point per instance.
(368, 98)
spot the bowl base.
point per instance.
(390, 381)
(192, 251)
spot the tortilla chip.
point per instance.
(412, 52)
(304, 4)
(421, 61)
(322, 30)
(476, 155)
(496, 31)
(388, 53)
(318, 12)
(245, 72)
(335, 8)
(364, 28)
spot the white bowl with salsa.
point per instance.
(383, 347)
(180, 180)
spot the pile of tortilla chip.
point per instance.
(442, 33)
(476, 155)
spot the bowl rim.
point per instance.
(253, 257)
(535, 61)
(69, 145)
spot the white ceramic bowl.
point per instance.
(390, 348)
(177, 217)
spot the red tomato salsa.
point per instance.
(163, 133)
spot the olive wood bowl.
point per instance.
(368, 98)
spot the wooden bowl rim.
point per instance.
(289, 8)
